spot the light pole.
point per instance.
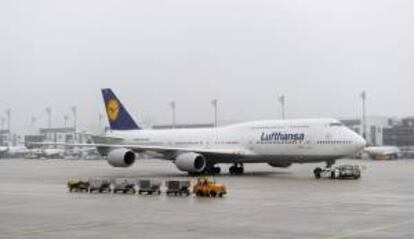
(49, 117)
(33, 122)
(172, 104)
(8, 114)
(214, 103)
(101, 117)
(49, 120)
(282, 102)
(74, 112)
(66, 119)
(364, 114)
(3, 120)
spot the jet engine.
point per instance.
(190, 162)
(279, 165)
(121, 157)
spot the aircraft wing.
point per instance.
(165, 150)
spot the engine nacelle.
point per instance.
(280, 165)
(121, 157)
(191, 162)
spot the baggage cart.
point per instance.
(99, 185)
(124, 185)
(149, 186)
(178, 187)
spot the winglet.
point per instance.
(118, 116)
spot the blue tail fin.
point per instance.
(118, 116)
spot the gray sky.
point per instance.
(319, 53)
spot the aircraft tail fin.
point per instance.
(118, 116)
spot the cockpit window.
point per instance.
(335, 124)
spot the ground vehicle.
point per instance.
(124, 185)
(99, 185)
(149, 187)
(78, 185)
(177, 187)
(346, 171)
(206, 187)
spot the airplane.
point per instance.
(278, 143)
(383, 152)
(22, 151)
(3, 150)
(13, 151)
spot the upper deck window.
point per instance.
(335, 124)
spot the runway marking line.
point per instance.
(368, 230)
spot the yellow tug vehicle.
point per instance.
(206, 187)
(78, 185)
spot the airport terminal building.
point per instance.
(385, 131)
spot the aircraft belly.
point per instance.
(277, 158)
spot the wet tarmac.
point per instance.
(264, 203)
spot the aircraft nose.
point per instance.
(360, 142)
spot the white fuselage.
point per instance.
(273, 141)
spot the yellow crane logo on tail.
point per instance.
(113, 110)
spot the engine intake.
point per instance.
(121, 158)
(191, 162)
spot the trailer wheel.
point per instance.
(333, 175)
(213, 194)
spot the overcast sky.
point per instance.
(321, 54)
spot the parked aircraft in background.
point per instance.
(14, 151)
(383, 152)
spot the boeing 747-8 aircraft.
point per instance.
(278, 143)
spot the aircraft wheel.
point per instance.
(236, 169)
(317, 172)
(240, 170)
(217, 170)
(232, 170)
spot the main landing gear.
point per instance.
(213, 170)
(236, 169)
(318, 171)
